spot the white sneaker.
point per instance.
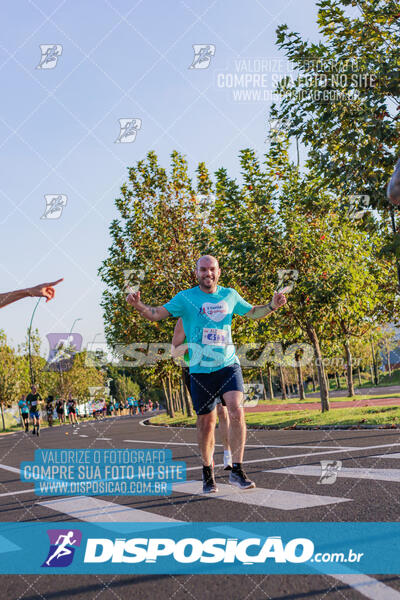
(227, 460)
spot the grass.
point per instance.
(367, 415)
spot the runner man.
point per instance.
(206, 312)
(33, 400)
(50, 410)
(24, 409)
(179, 348)
(71, 405)
(60, 410)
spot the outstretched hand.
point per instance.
(278, 300)
(44, 290)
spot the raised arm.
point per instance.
(263, 310)
(152, 313)
(43, 290)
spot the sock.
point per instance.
(227, 453)
(236, 466)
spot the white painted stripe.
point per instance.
(308, 454)
(368, 587)
(395, 455)
(280, 499)
(103, 439)
(350, 472)
(247, 445)
(19, 492)
(12, 469)
(94, 510)
(82, 435)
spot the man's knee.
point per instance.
(236, 413)
(206, 423)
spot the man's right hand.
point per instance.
(153, 313)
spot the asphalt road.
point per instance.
(285, 464)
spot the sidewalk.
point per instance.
(317, 405)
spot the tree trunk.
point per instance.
(349, 367)
(328, 387)
(171, 398)
(170, 410)
(187, 399)
(166, 396)
(388, 357)
(300, 379)
(337, 380)
(262, 381)
(2, 416)
(269, 381)
(283, 384)
(376, 381)
(313, 377)
(324, 392)
(359, 375)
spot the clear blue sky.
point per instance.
(120, 59)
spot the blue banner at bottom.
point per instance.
(169, 547)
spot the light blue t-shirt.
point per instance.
(207, 322)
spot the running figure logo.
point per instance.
(54, 206)
(62, 350)
(202, 56)
(330, 470)
(128, 130)
(358, 206)
(50, 55)
(62, 547)
(286, 280)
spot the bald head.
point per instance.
(207, 258)
(207, 273)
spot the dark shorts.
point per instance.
(25, 415)
(207, 388)
(34, 414)
(72, 411)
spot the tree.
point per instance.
(10, 371)
(344, 105)
(161, 231)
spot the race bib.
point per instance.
(215, 337)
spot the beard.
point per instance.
(207, 282)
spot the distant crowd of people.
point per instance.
(67, 410)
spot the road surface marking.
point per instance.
(308, 454)
(19, 492)
(12, 469)
(280, 499)
(94, 510)
(395, 455)
(353, 473)
(103, 439)
(368, 587)
(261, 446)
